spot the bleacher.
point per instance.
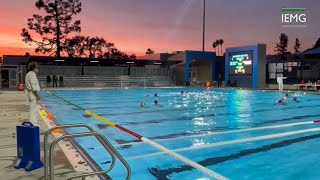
(112, 81)
(108, 76)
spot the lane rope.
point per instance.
(150, 142)
(223, 132)
(224, 143)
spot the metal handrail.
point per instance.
(106, 144)
(46, 135)
(116, 153)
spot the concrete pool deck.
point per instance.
(14, 110)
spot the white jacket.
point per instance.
(32, 84)
(280, 80)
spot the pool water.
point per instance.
(180, 121)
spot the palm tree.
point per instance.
(214, 45)
(221, 43)
(150, 51)
(218, 43)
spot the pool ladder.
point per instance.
(49, 157)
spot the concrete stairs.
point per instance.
(113, 81)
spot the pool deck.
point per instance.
(14, 110)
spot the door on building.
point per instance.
(193, 75)
(13, 78)
(4, 78)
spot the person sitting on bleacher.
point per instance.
(302, 84)
(318, 85)
(309, 85)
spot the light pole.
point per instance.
(203, 24)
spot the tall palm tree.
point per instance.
(214, 45)
(218, 43)
(150, 51)
(221, 43)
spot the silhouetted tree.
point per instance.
(218, 44)
(221, 43)
(109, 46)
(95, 46)
(92, 47)
(214, 45)
(115, 53)
(133, 56)
(124, 55)
(76, 46)
(317, 44)
(281, 47)
(54, 26)
(150, 51)
(297, 46)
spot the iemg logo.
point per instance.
(293, 17)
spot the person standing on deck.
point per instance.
(60, 81)
(33, 91)
(48, 80)
(55, 81)
(280, 82)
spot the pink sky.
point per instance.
(167, 25)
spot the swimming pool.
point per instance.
(191, 121)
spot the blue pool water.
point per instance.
(176, 124)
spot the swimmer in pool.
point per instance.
(148, 95)
(156, 95)
(184, 93)
(295, 99)
(286, 96)
(281, 102)
(156, 103)
(142, 104)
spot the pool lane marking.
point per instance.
(237, 141)
(225, 132)
(184, 159)
(65, 100)
(152, 143)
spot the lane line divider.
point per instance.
(237, 141)
(224, 132)
(150, 142)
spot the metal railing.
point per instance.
(49, 160)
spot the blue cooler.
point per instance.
(28, 147)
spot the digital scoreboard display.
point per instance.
(240, 63)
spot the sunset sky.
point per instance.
(170, 25)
